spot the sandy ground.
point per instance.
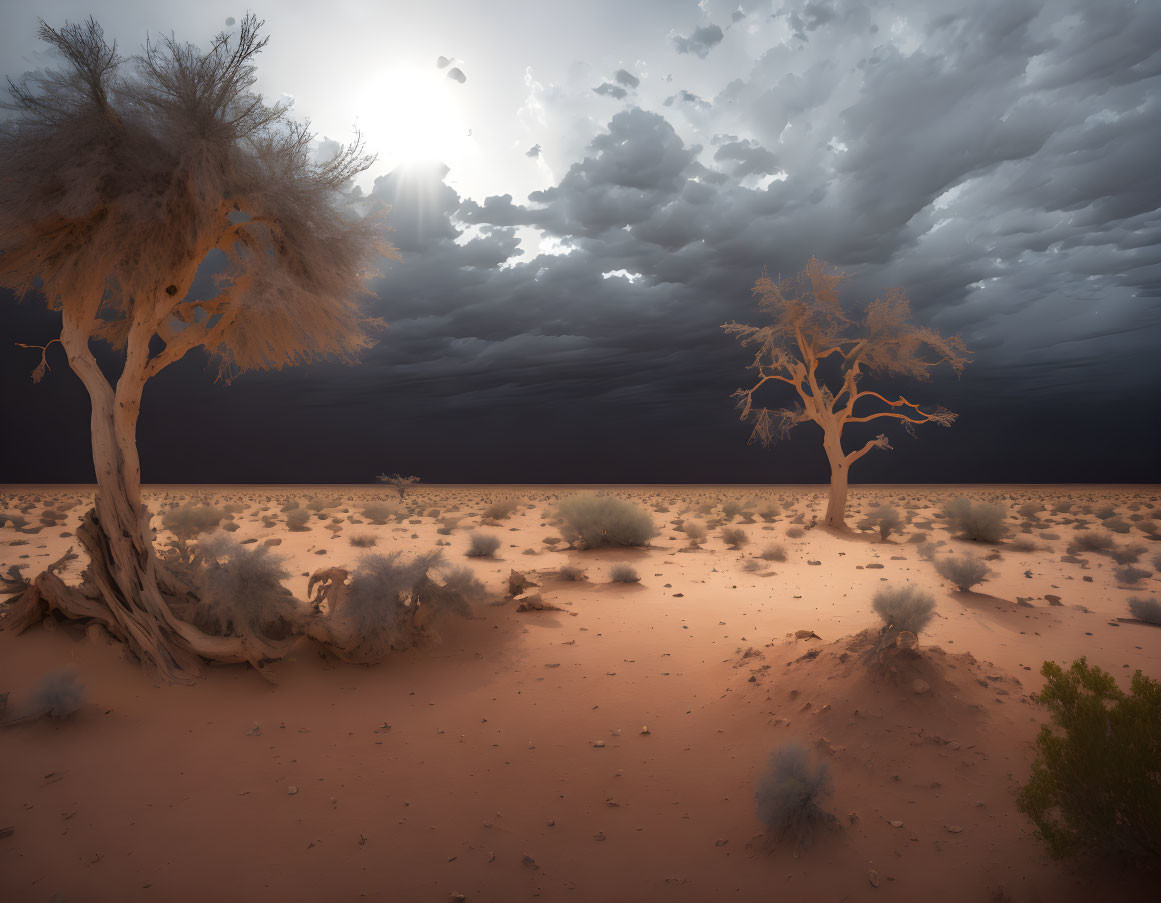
(510, 761)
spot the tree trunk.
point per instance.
(122, 586)
(836, 508)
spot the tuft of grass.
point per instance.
(1145, 609)
(734, 537)
(363, 540)
(903, 607)
(621, 572)
(790, 793)
(482, 545)
(571, 573)
(592, 521)
(1099, 541)
(1094, 790)
(963, 571)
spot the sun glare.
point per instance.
(412, 115)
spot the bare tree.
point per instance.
(808, 326)
(401, 484)
(118, 180)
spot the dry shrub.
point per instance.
(886, 519)
(902, 608)
(621, 572)
(773, 552)
(789, 796)
(734, 537)
(1145, 609)
(962, 571)
(482, 545)
(378, 611)
(592, 521)
(979, 521)
(363, 540)
(240, 591)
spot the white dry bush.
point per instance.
(592, 521)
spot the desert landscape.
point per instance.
(574, 737)
(674, 451)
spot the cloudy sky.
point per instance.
(583, 192)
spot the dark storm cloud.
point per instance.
(610, 90)
(996, 159)
(700, 42)
(746, 158)
(626, 78)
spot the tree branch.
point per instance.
(879, 441)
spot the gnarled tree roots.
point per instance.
(143, 611)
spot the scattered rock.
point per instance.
(1053, 599)
(873, 877)
(920, 686)
(806, 635)
(953, 829)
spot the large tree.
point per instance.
(119, 179)
(808, 337)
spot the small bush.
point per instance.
(1024, 544)
(447, 524)
(734, 537)
(501, 509)
(592, 521)
(1127, 554)
(730, 510)
(769, 511)
(1100, 541)
(1118, 525)
(796, 532)
(58, 695)
(241, 593)
(381, 512)
(789, 796)
(773, 552)
(377, 612)
(482, 545)
(623, 573)
(886, 519)
(570, 573)
(1131, 576)
(979, 522)
(364, 540)
(1095, 789)
(903, 608)
(695, 530)
(962, 571)
(189, 521)
(296, 519)
(1145, 609)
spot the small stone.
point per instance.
(1053, 599)
(599, 744)
(953, 829)
(920, 686)
(600, 835)
(896, 824)
(873, 877)
(291, 790)
(529, 862)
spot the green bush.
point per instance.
(1095, 788)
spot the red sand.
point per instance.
(166, 794)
